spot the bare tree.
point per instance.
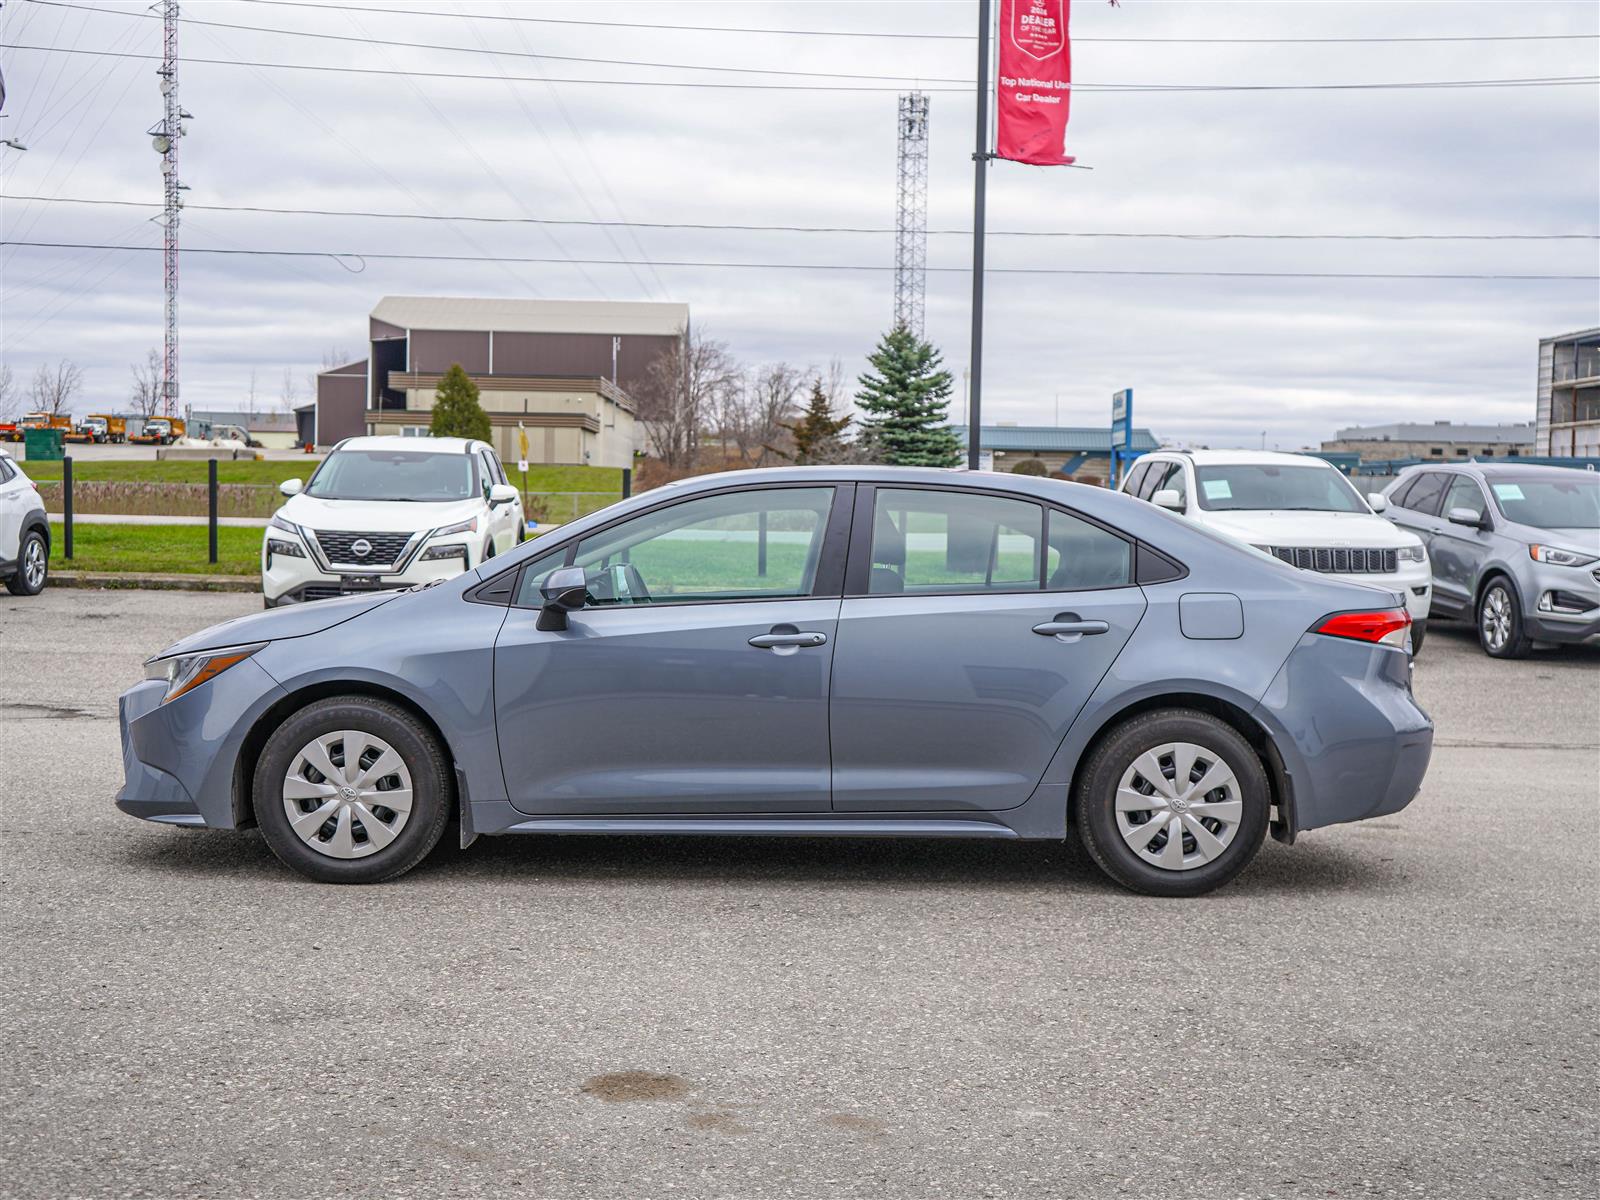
(252, 394)
(54, 387)
(10, 394)
(289, 395)
(334, 356)
(751, 418)
(145, 395)
(680, 392)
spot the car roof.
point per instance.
(1245, 457)
(445, 445)
(1488, 469)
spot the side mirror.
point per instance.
(1168, 498)
(1378, 500)
(291, 487)
(1462, 515)
(562, 591)
(502, 493)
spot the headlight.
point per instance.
(450, 550)
(1413, 554)
(287, 549)
(278, 522)
(185, 672)
(1559, 558)
(470, 525)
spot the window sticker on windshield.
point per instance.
(1508, 491)
(1217, 489)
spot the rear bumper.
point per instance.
(1354, 742)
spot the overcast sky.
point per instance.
(1218, 361)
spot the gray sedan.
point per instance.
(1515, 549)
(859, 652)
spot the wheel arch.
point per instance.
(1259, 738)
(1490, 574)
(244, 767)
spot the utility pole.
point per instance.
(980, 165)
(164, 137)
(911, 215)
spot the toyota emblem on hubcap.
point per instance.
(361, 547)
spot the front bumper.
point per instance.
(1353, 740)
(291, 580)
(178, 759)
(1562, 604)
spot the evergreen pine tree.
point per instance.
(816, 433)
(456, 411)
(906, 401)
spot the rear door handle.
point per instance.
(770, 641)
(1070, 630)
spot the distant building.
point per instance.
(1064, 449)
(559, 368)
(1441, 440)
(1569, 395)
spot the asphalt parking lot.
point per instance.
(1403, 1007)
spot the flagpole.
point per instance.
(980, 163)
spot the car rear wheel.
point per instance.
(1500, 622)
(33, 566)
(1172, 803)
(352, 790)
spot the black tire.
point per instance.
(522, 533)
(1419, 632)
(32, 543)
(1095, 814)
(488, 549)
(1516, 642)
(425, 760)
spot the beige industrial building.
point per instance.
(1442, 440)
(1568, 411)
(561, 370)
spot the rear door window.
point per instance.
(929, 541)
(1080, 556)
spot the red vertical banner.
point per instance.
(1033, 82)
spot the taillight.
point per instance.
(1389, 626)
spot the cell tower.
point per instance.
(911, 218)
(165, 139)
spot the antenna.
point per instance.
(164, 137)
(911, 216)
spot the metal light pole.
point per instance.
(165, 139)
(980, 164)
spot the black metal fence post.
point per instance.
(211, 504)
(66, 506)
(627, 482)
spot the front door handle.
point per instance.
(773, 641)
(1069, 629)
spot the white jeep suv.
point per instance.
(389, 512)
(1295, 507)
(24, 532)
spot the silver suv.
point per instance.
(1515, 549)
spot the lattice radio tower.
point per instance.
(164, 137)
(911, 218)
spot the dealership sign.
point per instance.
(1033, 82)
(1122, 419)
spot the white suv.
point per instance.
(1295, 507)
(24, 532)
(389, 512)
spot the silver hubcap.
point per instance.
(347, 794)
(1178, 806)
(33, 563)
(1496, 619)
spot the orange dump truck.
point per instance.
(100, 427)
(159, 431)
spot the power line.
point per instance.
(712, 227)
(1399, 85)
(344, 256)
(934, 37)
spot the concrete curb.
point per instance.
(167, 583)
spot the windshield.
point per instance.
(393, 475)
(1550, 503)
(1252, 487)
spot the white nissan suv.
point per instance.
(1295, 507)
(389, 512)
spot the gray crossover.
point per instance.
(1515, 549)
(858, 652)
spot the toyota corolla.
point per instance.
(855, 652)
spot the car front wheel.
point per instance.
(33, 566)
(1500, 622)
(1172, 803)
(352, 790)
